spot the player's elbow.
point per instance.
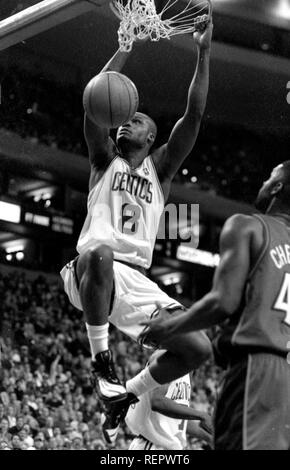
(222, 304)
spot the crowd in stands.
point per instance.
(46, 398)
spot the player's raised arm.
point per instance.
(101, 147)
(184, 134)
(240, 237)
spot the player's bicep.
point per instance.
(100, 145)
(231, 274)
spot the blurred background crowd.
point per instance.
(46, 398)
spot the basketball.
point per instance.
(110, 99)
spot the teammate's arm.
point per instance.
(101, 147)
(195, 430)
(167, 407)
(236, 245)
(169, 158)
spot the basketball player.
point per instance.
(250, 298)
(160, 418)
(127, 191)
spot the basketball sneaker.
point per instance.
(112, 419)
(105, 380)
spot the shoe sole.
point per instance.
(114, 399)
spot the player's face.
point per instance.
(265, 195)
(135, 131)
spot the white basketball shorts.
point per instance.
(134, 301)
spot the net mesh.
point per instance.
(139, 19)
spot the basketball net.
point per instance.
(139, 19)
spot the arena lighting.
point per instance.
(40, 196)
(282, 9)
(19, 255)
(10, 212)
(193, 255)
(9, 257)
(37, 219)
(14, 248)
(170, 278)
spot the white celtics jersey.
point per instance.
(124, 210)
(167, 433)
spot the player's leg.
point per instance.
(266, 404)
(94, 273)
(229, 412)
(136, 301)
(183, 354)
(189, 352)
(253, 411)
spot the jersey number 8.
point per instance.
(129, 220)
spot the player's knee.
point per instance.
(99, 262)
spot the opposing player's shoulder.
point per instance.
(239, 221)
(240, 225)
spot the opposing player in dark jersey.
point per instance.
(250, 299)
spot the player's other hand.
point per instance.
(206, 423)
(158, 330)
(202, 37)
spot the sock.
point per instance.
(98, 338)
(141, 383)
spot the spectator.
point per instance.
(5, 435)
(98, 444)
(39, 442)
(58, 437)
(53, 444)
(48, 428)
(4, 445)
(11, 416)
(48, 392)
(16, 443)
(25, 438)
(77, 441)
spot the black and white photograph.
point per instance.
(145, 228)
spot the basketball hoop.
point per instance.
(139, 19)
